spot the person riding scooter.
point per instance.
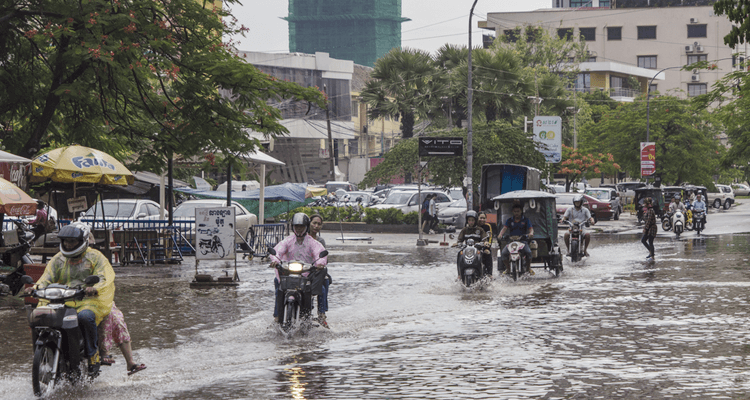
(517, 225)
(579, 214)
(699, 206)
(472, 231)
(675, 205)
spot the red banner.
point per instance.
(648, 158)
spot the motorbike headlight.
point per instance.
(470, 242)
(51, 294)
(514, 246)
(295, 267)
(470, 252)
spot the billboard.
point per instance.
(441, 146)
(648, 158)
(548, 137)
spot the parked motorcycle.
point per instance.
(19, 242)
(294, 282)
(470, 263)
(519, 263)
(59, 350)
(576, 252)
(699, 221)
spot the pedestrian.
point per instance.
(426, 213)
(113, 331)
(649, 230)
(432, 210)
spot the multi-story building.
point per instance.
(652, 38)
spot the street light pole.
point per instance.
(469, 138)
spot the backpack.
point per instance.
(50, 225)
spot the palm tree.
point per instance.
(450, 58)
(501, 84)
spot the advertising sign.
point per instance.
(648, 158)
(548, 137)
(77, 204)
(214, 233)
(441, 146)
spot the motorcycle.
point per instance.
(576, 252)
(699, 221)
(19, 241)
(297, 288)
(519, 263)
(674, 222)
(688, 215)
(470, 262)
(59, 350)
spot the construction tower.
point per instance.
(357, 30)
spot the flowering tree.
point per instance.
(576, 165)
(126, 76)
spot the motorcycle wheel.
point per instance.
(574, 251)
(515, 266)
(42, 378)
(689, 226)
(468, 280)
(290, 315)
(666, 225)
(220, 251)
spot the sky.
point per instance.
(433, 22)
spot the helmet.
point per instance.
(578, 199)
(301, 219)
(472, 214)
(78, 231)
(677, 197)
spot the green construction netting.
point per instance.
(272, 208)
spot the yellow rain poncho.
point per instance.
(73, 272)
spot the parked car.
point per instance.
(740, 189)
(133, 210)
(723, 197)
(453, 214)
(599, 209)
(244, 219)
(609, 195)
(408, 200)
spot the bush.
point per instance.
(411, 218)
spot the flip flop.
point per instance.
(107, 360)
(136, 368)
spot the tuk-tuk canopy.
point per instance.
(538, 207)
(655, 194)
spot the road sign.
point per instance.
(441, 146)
(214, 233)
(548, 137)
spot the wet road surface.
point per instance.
(613, 326)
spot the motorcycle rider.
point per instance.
(71, 266)
(579, 214)
(676, 204)
(699, 206)
(517, 225)
(299, 246)
(472, 231)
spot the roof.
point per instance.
(152, 178)
(524, 194)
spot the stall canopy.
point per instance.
(281, 198)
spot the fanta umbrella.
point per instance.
(14, 201)
(79, 164)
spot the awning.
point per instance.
(262, 158)
(12, 158)
(152, 178)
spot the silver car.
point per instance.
(244, 219)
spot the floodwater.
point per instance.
(613, 326)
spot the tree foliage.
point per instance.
(577, 164)
(123, 75)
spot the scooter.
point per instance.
(470, 267)
(678, 223)
(19, 242)
(59, 350)
(699, 221)
(576, 252)
(519, 264)
(688, 215)
(297, 288)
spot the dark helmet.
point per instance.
(472, 214)
(301, 219)
(578, 199)
(78, 231)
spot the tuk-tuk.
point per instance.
(672, 191)
(691, 191)
(539, 208)
(655, 194)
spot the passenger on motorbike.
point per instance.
(579, 214)
(517, 225)
(472, 231)
(316, 224)
(70, 267)
(489, 229)
(299, 246)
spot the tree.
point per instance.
(124, 75)
(496, 142)
(452, 59)
(539, 49)
(576, 165)
(406, 84)
(501, 84)
(738, 11)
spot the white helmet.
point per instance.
(78, 231)
(578, 199)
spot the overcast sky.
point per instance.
(433, 22)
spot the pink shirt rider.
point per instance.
(290, 250)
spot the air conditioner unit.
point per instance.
(696, 78)
(693, 20)
(689, 48)
(699, 49)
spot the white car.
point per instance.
(408, 200)
(453, 214)
(740, 189)
(723, 197)
(244, 219)
(133, 210)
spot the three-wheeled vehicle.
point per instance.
(539, 208)
(656, 195)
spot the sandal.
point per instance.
(107, 360)
(136, 368)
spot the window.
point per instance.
(583, 82)
(647, 32)
(692, 59)
(604, 3)
(614, 33)
(591, 59)
(588, 34)
(696, 31)
(740, 61)
(511, 35)
(697, 89)
(565, 33)
(652, 88)
(580, 3)
(647, 62)
(355, 109)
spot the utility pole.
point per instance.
(330, 138)
(469, 137)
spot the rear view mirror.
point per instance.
(272, 251)
(323, 253)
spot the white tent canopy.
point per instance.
(263, 159)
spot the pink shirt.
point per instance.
(306, 252)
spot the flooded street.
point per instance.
(612, 326)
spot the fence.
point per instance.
(266, 236)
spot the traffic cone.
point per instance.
(444, 243)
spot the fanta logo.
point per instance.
(43, 158)
(38, 169)
(76, 175)
(86, 162)
(117, 178)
